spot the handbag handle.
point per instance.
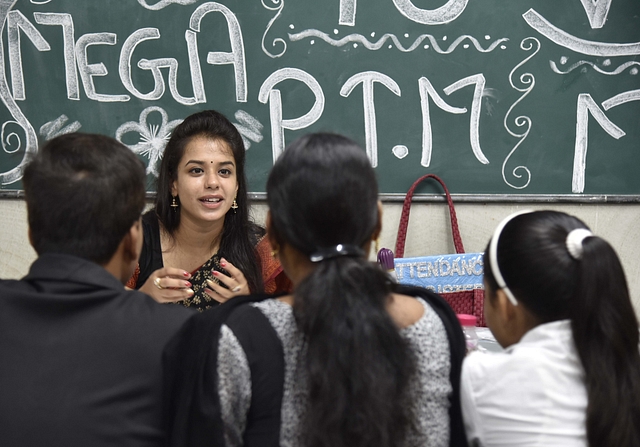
(406, 209)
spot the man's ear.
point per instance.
(132, 242)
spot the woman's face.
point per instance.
(206, 181)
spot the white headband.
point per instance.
(574, 242)
(493, 256)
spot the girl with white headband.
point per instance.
(556, 299)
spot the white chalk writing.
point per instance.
(439, 16)
(347, 12)
(68, 41)
(154, 66)
(474, 123)
(31, 140)
(236, 56)
(564, 39)
(400, 151)
(147, 67)
(16, 21)
(367, 79)
(597, 11)
(427, 91)
(88, 71)
(278, 124)
(587, 106)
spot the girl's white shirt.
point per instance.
(532, 394)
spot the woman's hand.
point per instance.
(235, 281)
(168, 285)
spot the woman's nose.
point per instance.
(212, 181)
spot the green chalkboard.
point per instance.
(505, 98)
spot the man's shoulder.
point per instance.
(92, 301)
(11, 283)
(143, 306)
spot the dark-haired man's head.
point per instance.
(84, 195)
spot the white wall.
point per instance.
(429, 231)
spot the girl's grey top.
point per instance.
(430, 388)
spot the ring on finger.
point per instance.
(156, 282)
(237, 288)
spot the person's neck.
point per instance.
(198, 237)
(117, 268)
(121, 265)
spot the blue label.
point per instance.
(442, 274)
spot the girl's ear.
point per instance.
(378, 228)
(504, 307)
(270, 234)
(499, 314)
(516, 320)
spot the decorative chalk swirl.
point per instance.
(621, 68)
(529, 82)
(279, 6)
(362, 40)
(164, 3)
(8, 136)
(153, 138)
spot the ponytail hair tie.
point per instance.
(322, 254)
(574, 242)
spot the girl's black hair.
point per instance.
(591, 292)
(323, 192)
(239, 234)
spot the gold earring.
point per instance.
(274, 253)
(234, 205)
(174, 204)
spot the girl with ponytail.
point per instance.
(556, 298)
(357, 360)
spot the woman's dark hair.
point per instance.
(591, 292)
(239, 234)
(322, 192)
(83, 194)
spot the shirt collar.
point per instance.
(69, 268)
